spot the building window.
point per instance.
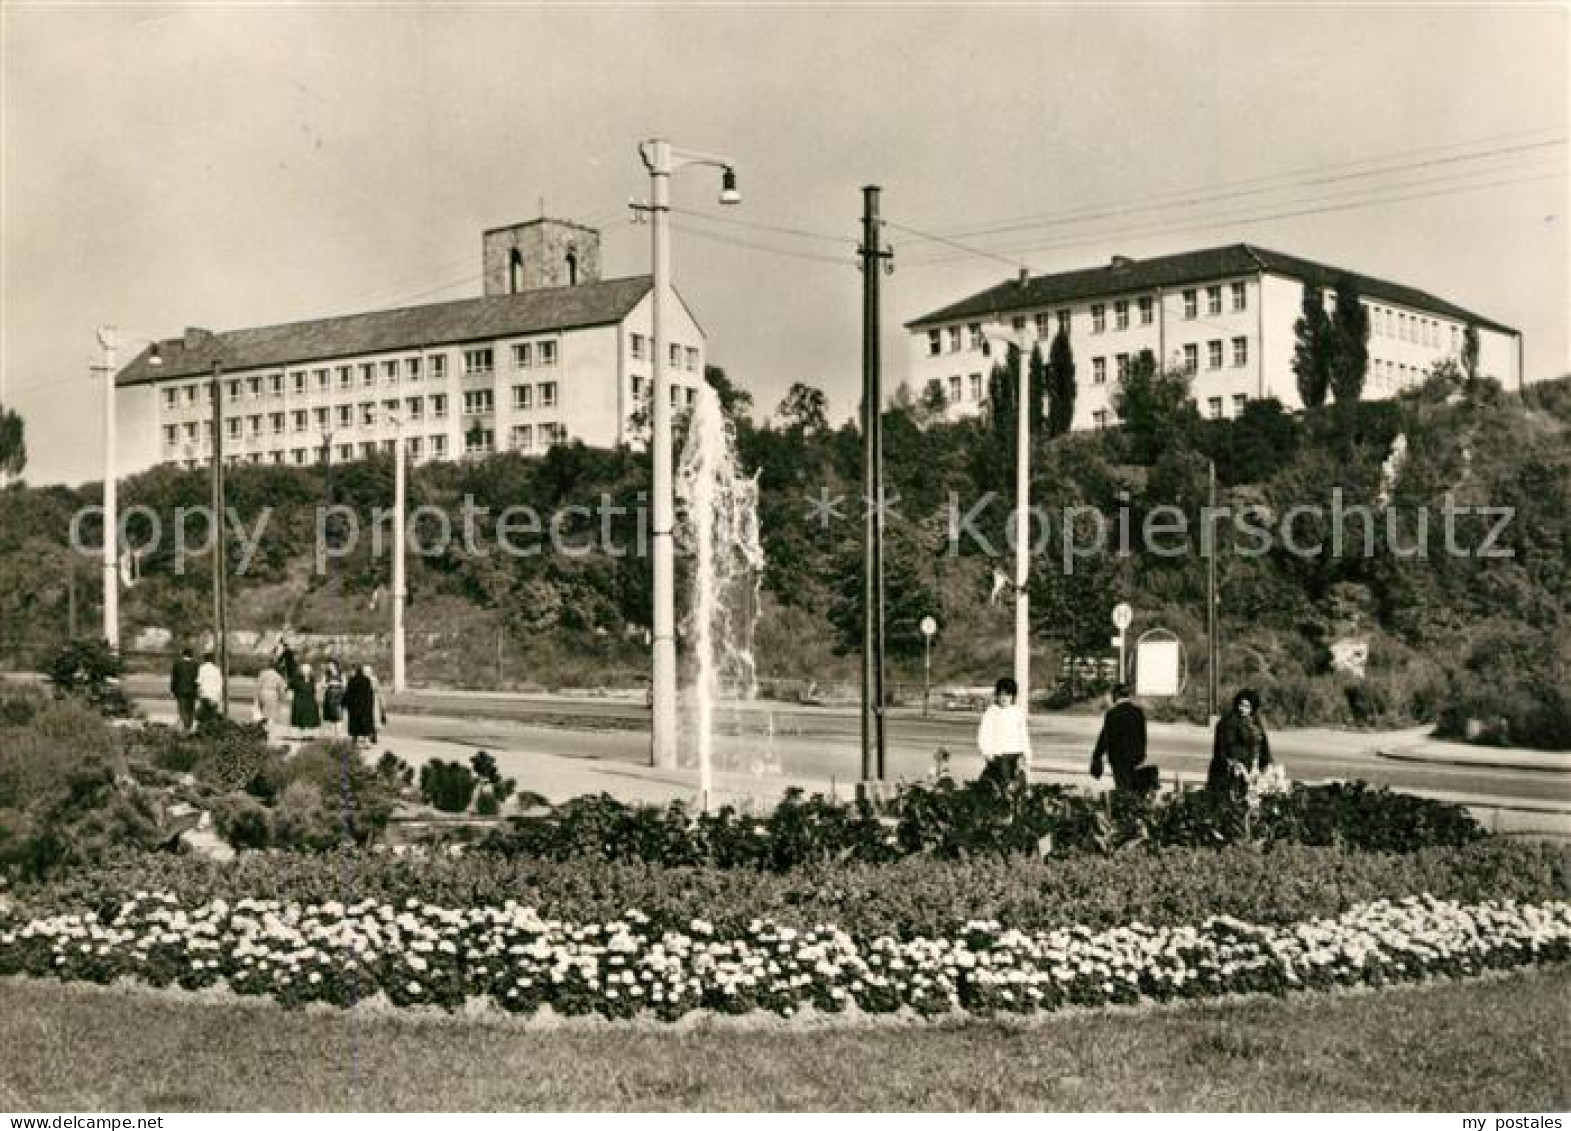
(954, 388)
(345, 415)
(346, 451)
(253, 425)
(233, 389)
(412, 368)
(1239, 401)
(935, 343)
(170, 435)
(1063, 321)
(523, 356)
(1121, 366)
(191, 393)
(638, 347)
(1099, 418)
(1044, 323)
(439, 366)
(390, 372)
(416, 407)
(416, 445)
(1191, 304)
(477, 360)
(692, 360)
(477, 401)
(1214, 300)
(1147, 310)
(1121, 315)
(302, 419)
(1214, 354)
(1215, 405)
(976, 386)
(547, 353)
(190, 431)
(974, 329)
(552, 434)
(673, 356)
(523, 437)
(954, 339)
(367, 449)
(389, 410)
(1240, 296)
(368, 413)
(1454, 340)
(1240, 351)
(638, 386)
(367, 374)
(1098, 318)
(523, 395)
(232, 425)
(548, 394)
(1191, 358)
(345, 376)
(298, 455)
(253, 386)
(478, 441)
(1099, 370)
(438, 446)
(439, 405)
(320, 416)
(676, 395)
(297, 378)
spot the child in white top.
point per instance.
(1003, 731)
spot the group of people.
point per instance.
(292, 699)
(1239, 747)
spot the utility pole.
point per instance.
(220, 541)
(874, 259)
(398, 554)
(1212, 625)
(107, 339)
(1024, 410)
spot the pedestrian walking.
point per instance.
(1003, 737)
(209, 690)
(304, 717)
(271, 698)
(1122, 744)
(284, 660)
(361, 705)
(182, 685)
(1240, 748)
(332, 697)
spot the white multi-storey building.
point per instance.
(1226, 315)
(549, 352)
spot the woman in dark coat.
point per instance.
(332, 696)
(1241, 747)
(360, 706)
(303, 714)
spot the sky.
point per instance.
(228, 166)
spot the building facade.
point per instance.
(1224, 315)
(550, 352)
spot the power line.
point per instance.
(1201, 224)
(953, 243)
(762, 227)
(1296, 179)
(734, 242)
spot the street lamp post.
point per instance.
(396, 419)
(1022, 508)
(662, 159)
(108, 341)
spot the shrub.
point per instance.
(486, 802)
(90, 670)
(448, 786)
(243, 821)
(303, 819)
(484, 766)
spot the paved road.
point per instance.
(824, 744)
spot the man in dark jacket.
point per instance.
(182, 685)
(1123, 743)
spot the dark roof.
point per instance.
(1125, 275)
(413, 327)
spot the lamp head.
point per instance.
(728, 193)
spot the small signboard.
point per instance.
(1123, 616)
(928, 626)
(1157, 667)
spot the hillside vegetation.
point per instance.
(1480, 644)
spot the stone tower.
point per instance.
(539, 253)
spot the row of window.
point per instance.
(300, 381)
(526, 355)
(525, 438)
(680, 395)
(1403, 327)
(1102, 417)
(678, 356)
(1125, 312)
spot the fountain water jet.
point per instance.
(721, 523)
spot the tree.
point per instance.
(934, 402)
(804, 409)
(1154, 407)
(1060, 384)
(1470, 352)
(1350, 343)
(1312, 349)
(735, 401)
(13, 450)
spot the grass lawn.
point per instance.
(1493, 1045)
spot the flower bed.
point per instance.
(513, 957)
